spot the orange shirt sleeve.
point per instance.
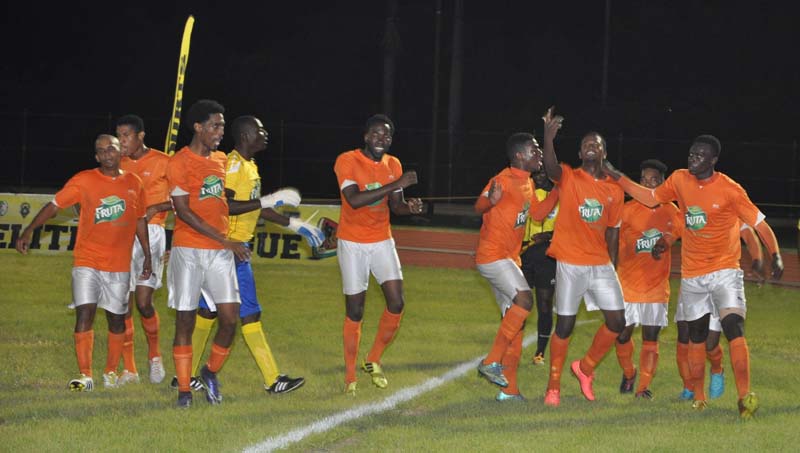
(70, 194)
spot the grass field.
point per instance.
(450, 321)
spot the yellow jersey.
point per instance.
(241, 176)
(534, 227)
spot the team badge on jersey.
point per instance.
(522, 216)
(649, 238)
(111, 209)
(591, 210)
(695, 218)
(212, 188)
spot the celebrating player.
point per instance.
(371, 183)
(112, 212)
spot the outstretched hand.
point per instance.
(659, 248)
(495, 192)
(552, 123)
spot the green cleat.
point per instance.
(350, 389)
(378, 378)
(699, 405)
(503, 396)
(748, 406)
(83, 383)
(493, 372)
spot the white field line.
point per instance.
(401, 396)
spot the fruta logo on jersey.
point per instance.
(212, 187)
(649, 238)
(373, 186)
(695, 218)
(110, 209)
(522, 216)
(591, 210)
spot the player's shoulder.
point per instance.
(158, 155)
(348, 155)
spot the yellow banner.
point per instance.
(177, 105)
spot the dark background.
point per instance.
(313, 72)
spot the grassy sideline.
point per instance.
(450, 319)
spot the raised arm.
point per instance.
(47, 212)
(490, 198)
(552, 123)
(282, 197)
(639, 193)
(540, 209)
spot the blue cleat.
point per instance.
(503, 396)
(184, 400)
(686, 395)
(717, 385)
(211, 384)
(493, 372)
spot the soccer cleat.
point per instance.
(351, 388)
(211, 384)
(184, 400)
(645, 394)
(503, 396)
(717, 385)
(194, 383)
(493, 372)
(110, 380)
(748, 406)
(584, 380)
(552, 398)
(538, 359)
(699, 405)
(378, 378)
(157, 372)
(626, 386)
(127, 378)
(686, 395)
(83, 383)
(285, 384)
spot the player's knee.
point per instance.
(733, 326)
(564, 326)
(624, 336)
(698, 330)
(396, 306)
(524, 299)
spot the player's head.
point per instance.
(206, 118)
(378, 132)
(523, 151)
(107, 151)
(593, 147)
(249, 134)
(703, 155)
(653, 173)
(130, 132)
(541, 180)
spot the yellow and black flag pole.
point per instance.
(183, 61)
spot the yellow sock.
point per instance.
(202, 330)
(256, 341)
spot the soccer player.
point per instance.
(112, 212)
(150, 166)
(505, 204)
(371, 183)
(243, 189)
(585, 242)
(711, 280)
(644, 279)
(538, 268)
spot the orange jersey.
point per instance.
(504, 223)
(204, 179)
(110, 209)
(643, 278)
(367, 223)
(152, 169)
(711, 209)
(587, 206)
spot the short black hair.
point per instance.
(379, 118)
(602, 139)
(131, 120)
(654, 164)
(711, 141)
(515, 143)
(241, 124)
(202, 110)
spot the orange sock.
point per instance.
(509, 328)
(697, 369)
(740, 360)
(116, 341)
(84, 344)
(387, 327)
(625, 357)
(715, 357)
(682, 357)
(150, 326)
(217, 357)
(648, 360)
(352, 337)
(182, 355)
(558, 354)
(511, 364)
(603, 340)
(128, 361)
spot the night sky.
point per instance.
(676, 69)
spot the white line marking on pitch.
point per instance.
(403, 395)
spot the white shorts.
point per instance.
(158, 243)
(597, 285)
(109, 290)
(711, 293)
(646, 314)
(357, 260)
(193, 272)
(713, 321)
(506, 279)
